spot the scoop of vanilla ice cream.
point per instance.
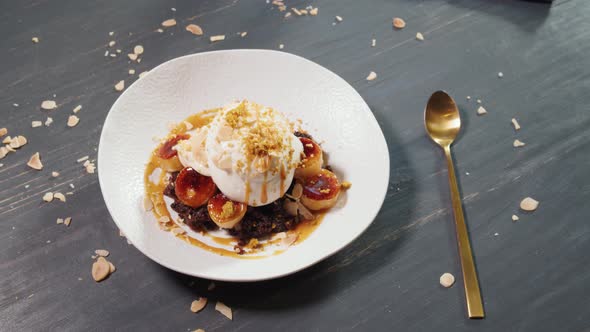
(252, 153)
(192, 152)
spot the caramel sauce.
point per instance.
(263, 193)
(155, 192)
(282, 176)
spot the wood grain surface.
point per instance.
(534, 273)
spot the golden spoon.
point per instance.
(443, 123)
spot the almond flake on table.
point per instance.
(372, 76)
(111, 33)
(224, 310)
(132, 56)
(314, 11)
(77, 109)
(287, 14)
(529, 204)
(169, 23)
(296, 11)
(419, 36)
(59, 196)
(35, 40)
(101, 252)
(281, 46)
(131, 71)
(217, 38)
(159, 30)
(479, 101)
(48, 197)
(303, 11)
(112, 43)
(49, 121)
(243, 34)
(468, 97)
(54, 174)
(398, 23)
(35, 162)
(90, 167)
(138, 49)
(35, 124)
(48, 105)
(373, 42)
(481, 111)
(3, 131)
(113, 55)
(106, 53)
(73, 120)
(82, 159)
(518, 143)
(194, 29)
(3, 152)
(118, 51)
(500, 74)
(68, 221)
(59, 221)
(100, 269)
(515, 124)
(447, 280)
(515, 217)
(138, 60)
(111, 267)
(339, 18)
(120, 86)
(198, 305)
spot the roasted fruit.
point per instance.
(192, 188)
(225, 212)
(168, 156)
(311, 160)
(320, 191)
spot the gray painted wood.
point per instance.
(534, 274)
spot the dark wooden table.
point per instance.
(534, 273)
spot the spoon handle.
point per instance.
(472, 293)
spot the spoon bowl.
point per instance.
(442, 118)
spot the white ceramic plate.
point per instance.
(331, 110)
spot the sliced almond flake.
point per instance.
(419, 36)
(529, 204)
(112, 43)
(119, 51)
(290, 239)
(159, 30)
(72, 185)
(90, 168)
(73, 120)
(194, 29)
(3, 131)
(515, 124)
(82, 159)
(100, 269)
(169, 23)
(373, 42)
(447, 280)
(35, 40)
(142, 74)
(243, 34)
(77, 109)
(303, 11)
(59, 221)
(113, 55)
(48, 104)
(131, 71)
(217, 38)
(296, 11)
(313, 11)
(35, 162)
(339, 19)
(479, 101)
(148, 205)
(48, 197)
(399, 23)
(287, 14)
(481, 111)
(67, 221)
(518, 143)
(106, 53)
(281, 46)
(3, 152)
(49, 121)
(198, 305)
(59, 196)
(372, 76)
(120, 86)
(69, 193)
(86, 163)
(111, 33)
(101, 252)
(36, 124)
(211, 286)
(163, 219)
(224, 310)
(132, 56)
(515, 217)
(187, 125)
(111, 267)
(138, 49)
(21, 140)
(178, 231)
(7, 140)
(9, 148)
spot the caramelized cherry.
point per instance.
(225, 212)
(311, 159)
(320, 191)
(192, 188)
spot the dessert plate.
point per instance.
(330, 109)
